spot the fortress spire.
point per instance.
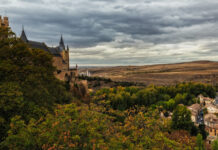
(61, 44)
(23, 35)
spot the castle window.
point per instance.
(64, 62)
(58, 71)
(67, 77)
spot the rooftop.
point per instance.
(194, 107)
(41, 45)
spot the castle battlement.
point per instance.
(4, 21)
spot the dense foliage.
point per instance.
(166, 96)
(200, 143)
(28, 87)
(98, 82)
(181, 118)
(215, 144)
(88, 78)
(83, 127)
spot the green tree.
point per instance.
(181, 118)
(11, 100)
(180, 98)
(200, 143)
(170, 105)
(215, 145)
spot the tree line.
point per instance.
(166, 96)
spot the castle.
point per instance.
(60, 53)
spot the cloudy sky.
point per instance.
(121, 32)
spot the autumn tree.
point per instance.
(83, 127)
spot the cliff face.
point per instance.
(80, 90)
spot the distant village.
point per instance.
(206, 112)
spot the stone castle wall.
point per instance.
(64, 73)
(4, 22)
(60, 63)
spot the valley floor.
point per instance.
(164, 74)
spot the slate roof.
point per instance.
(38, 45)
(41, 45)
(62, 42)
(23, 36)
(55, 51)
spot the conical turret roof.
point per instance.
(61, 43)
(23, 36)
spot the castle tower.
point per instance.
(23, 36)
(4, 22)
(68, 57)
(61, 44)
(1, 21)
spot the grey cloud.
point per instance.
(32, 1)
(86, 52)
(128, 28)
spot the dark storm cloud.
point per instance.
(121, 31)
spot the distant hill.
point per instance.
(163, 74)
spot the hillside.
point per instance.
(164, 74)
(38, 111)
